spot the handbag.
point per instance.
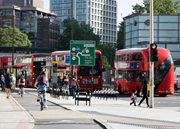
(141, 93)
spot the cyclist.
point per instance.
(21, 84)
(42, 85)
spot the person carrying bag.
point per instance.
(145, 93)
(73, 84)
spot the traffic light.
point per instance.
(154, 52)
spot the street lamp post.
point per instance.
(13, 43)
(71, 31)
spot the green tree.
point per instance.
(138, 8)
(105, 62)
(120, 36)
(81, 31)
(108, 51)
(159, 6)
(20, 39)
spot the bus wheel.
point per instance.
(138, 91)
(119, 89)
(162, 95)
(175, 87)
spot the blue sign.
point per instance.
(77, 49)
(129, 65)
(89, 81)
(67, 56)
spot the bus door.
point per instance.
(115, 78)
(125, 80)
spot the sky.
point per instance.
(124, 8)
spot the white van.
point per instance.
(177, 79)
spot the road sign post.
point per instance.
(83, 53)
(54, 79)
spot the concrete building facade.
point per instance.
(40, 25)
(100, 14)
(24, 3)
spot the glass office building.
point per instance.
(166, 32)
(100, 14)
(40, 25)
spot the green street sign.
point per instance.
(82, 53)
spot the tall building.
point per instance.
(100, 14)
(40, 25)
(25, 3)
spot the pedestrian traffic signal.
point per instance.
(154, 52)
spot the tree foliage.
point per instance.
(20, 39)
(138, 8)
(159, 6)
(120, 36)
(81, 31)
(108, 51)
(105, 63)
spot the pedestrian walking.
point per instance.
(8, 85)
(74, 84)
(50, 81)
(66, 81)
(145, 93)
(13, 82)
(21, 84)
(133, 97)
(2, 82)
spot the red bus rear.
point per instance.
(4, 60)
(82, 73)
(33, 66)
(132, 67)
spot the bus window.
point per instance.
(161, 70)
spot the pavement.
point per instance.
(111, 114)
(13, 115)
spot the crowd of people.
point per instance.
(8, 83)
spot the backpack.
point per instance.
(42, 80)
(73, 83)
(22, 80)
(132, 96)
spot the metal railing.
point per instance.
(105, 93)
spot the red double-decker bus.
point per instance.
(132, 67)
(32, 66)
(82, 73)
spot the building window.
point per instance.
(82, 4)
(24, 2)
(16, 23)
(81, 11)
(17, 13)
(6, 22)
(7, 12)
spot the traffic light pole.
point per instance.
(151, 64)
